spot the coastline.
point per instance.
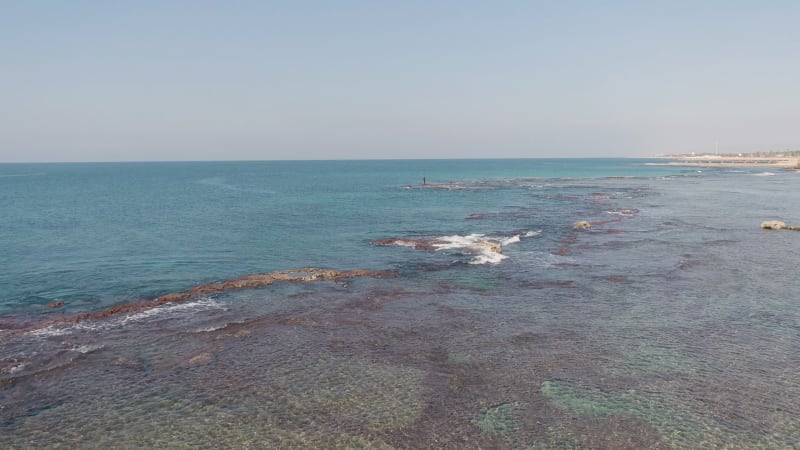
(791, 163)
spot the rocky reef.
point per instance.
(246, 282)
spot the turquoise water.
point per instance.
(96, 234)
(672, 322)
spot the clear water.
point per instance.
(672, 323)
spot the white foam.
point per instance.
(764, 174)
(14, 369)
(510, 240)
(404, 243)
(210, 329)
(84, 349)
(204, 304)
(518, 237)
(141, 315)
(457, 241)
(486, 249)
(477, 244)
(51, 331)
(624, 212)
(488, 258)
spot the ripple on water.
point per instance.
(681, 422)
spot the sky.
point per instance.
(259, 80)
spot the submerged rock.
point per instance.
(57, 304)
(200, 358)
(500, 419)
(128, 363)
(581, 225)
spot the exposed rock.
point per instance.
(489, 245)
(417, 244)
(778, 225)
(773, 225)
(581, 225)
(57, 304)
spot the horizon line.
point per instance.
(329, 160)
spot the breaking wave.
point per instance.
(483, 249)
(61, 329)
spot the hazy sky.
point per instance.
(198, 80)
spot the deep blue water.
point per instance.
(673, 322)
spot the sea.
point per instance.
(398, 304)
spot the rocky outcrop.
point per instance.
(581, 225)
(778, 225)
(488, 245)
(772, 225)
(418, 244)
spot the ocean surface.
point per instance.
(465, 312)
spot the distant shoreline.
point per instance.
(729, 161)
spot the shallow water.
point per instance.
(672, 323)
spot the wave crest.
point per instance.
(483, 249)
